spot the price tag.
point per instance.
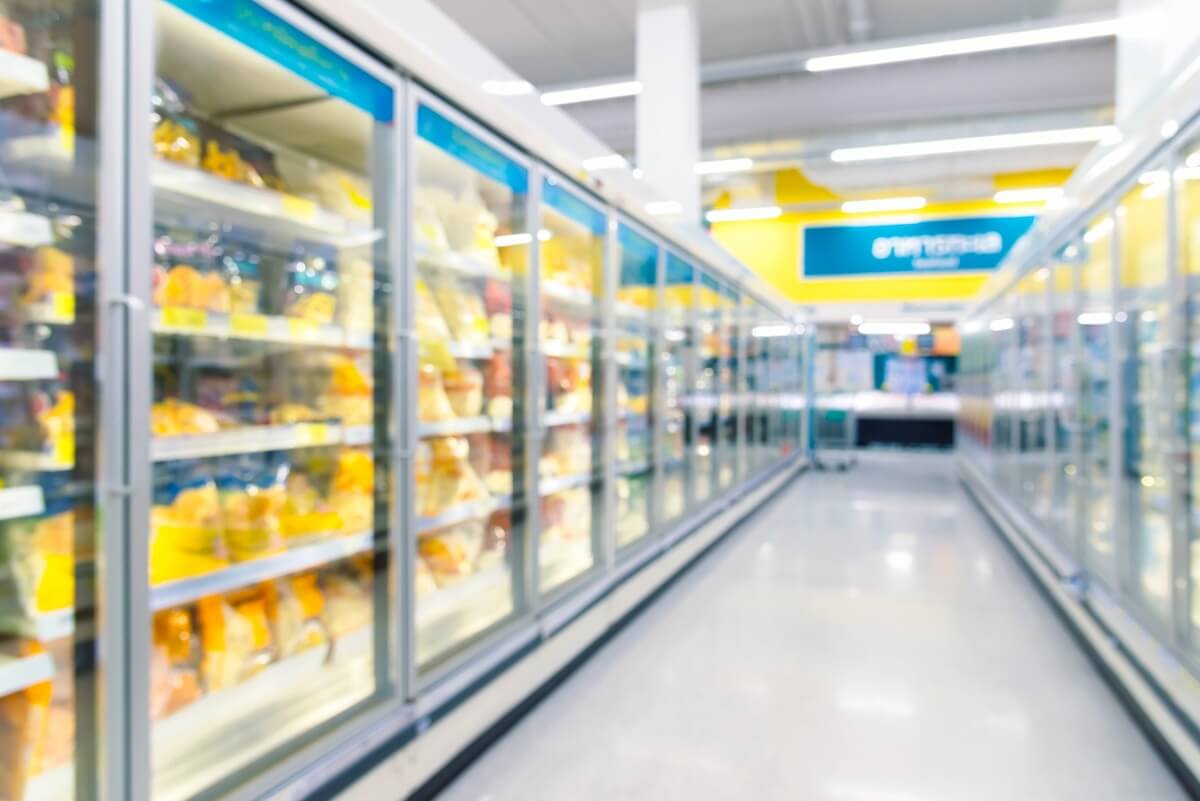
(302, 208)
(63, 305)
(301, 329)
(314, 434)
(179, 317)
(249, 324)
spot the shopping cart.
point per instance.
(835, 428)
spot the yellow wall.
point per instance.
(772, 247)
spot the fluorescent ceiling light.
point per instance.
(586, 94)
(508, 88)
(1094, 318)
(771, 330)
(544, 235)
(1044, 195)
(1001, 324)
(1193, 159)
(676, 335)
(883, 204)
(613, 161)
(1153, 177)
(723, 166)
(1169, 129)
(735, 215)
(511, 240)
(894, 329)
(660, 207)
(972, 144)
(855, 319)
(972, 327)
(638, 173)
(1099, 231)
(972, 44)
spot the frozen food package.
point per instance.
(464, 389)
(187, 529)
(311, 285)
(462, 308)
(24, 729)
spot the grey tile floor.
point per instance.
(865, 637)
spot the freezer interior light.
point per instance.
(735, 215)
(587, 94)
(661, 207)
(676, 335)
(612, 161)
(971, 144)
(1041, 195)
(514, 88)
(899, 328)
(972, 327)
(1099, 231)
(1001, 324)
(1033, 37)
(856, 319)
(723, 166)
(771, 330)
(1095, 318)
(544, 235)
(883, 204)
(512, 240)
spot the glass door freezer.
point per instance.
(678, 370)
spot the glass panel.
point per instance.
(268, 532)
(1144, 361)
(1094, 321)
(472, 245)
(729, 386)
(1187, 177)
(570, 469)
(756, 425)
(1003, 330)
(704, 398)
(679, 295)
(48, 408)
(636, 302)
(1033, 473)
(1064, 398)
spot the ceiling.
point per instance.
(795, 116)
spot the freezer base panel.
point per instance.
(415, 756)
(1155, 687)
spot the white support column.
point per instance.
(668, 108)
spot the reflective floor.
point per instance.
(866, 637)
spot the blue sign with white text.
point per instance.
(570, 206)
(471, 150)
(639, 258)
(963, 244)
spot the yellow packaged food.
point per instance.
(187, 532)
(251, 515)
(462, 308)
(432, 403)
(24, 729)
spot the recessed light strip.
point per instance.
(736, 215)
(971, 144)
(1098, 29)
(724, 166)
(883, 204)
(587, 94)
(1040, 195)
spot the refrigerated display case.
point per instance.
(729, 393)
(636, 357)
(677, 369)
(50, 691)
(706, 392)
(570, 335)
(268, 541)
(1065, 344)
(471, 242)
(1032, 474)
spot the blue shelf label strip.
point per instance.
(707, 280)
(471, 150)
(679, 272)
(639, 258)
(572, 207)
(929, 246)
(288, 46)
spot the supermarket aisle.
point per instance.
(866, 637)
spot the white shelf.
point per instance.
(632, 360)
(59, 309)
(245, 574)
(22, 229)
(33, 462)
(471, 350)
(257, 327)
(464, 264)
(550, 486)
(190, 187)
(630, 311)
(17, 673)
(45, 627)
(464, 425)
(563, 350)
(18, 364)
(632, 468)
(52, 785)
(554, 418)
(256, 439)
(567, 294)
(456, 514)
(21, 502)
(22, 75)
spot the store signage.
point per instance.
(572, 207)
(963, 244)
(288, 46)
(639, 258)
(471, 150)
(679, 271)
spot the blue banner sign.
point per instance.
(639, 258)
(962, 244)
(679, 272)
(288, 46)
(471, 150)
(568, 204)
